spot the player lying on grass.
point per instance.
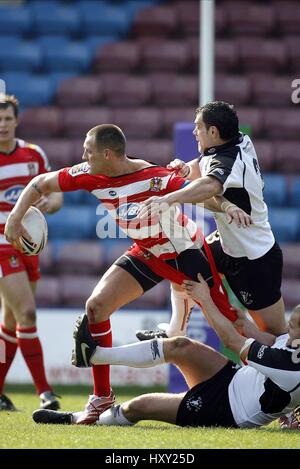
(168, 246)
(221, 392)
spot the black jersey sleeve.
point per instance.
(282, 366)
(220, 168)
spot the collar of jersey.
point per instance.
(218, 148)
(11, 152)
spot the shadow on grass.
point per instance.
(82, 390)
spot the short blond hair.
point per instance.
(7, 100)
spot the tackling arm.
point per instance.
(197, 191)
(225, 329)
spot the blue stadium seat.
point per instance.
(9, 41)
(285, 223)
(94, 42)
(26, 57)
(15, 20)
(73, 57)
(275, 190)
(134, 6)
(295, 193)
(52, 18)
(73, 223)
(40, 4)
(86, 6)
(31, 90)
(58, 77)
(13, 79)
(107, 20)
(52, 42)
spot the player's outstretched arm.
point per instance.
(39, 186)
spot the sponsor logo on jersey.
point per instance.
(12, 194)
(155, 184)
(128, 211)
(32, 169)
(194, 404)
(261, 351)
(79, 169)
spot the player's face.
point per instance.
(294, 326)
(92, 155)
(8, 124)
(202, 134)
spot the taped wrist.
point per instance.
(226, 205)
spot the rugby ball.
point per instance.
(35, 224)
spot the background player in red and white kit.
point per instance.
(167, 246)
(19, 163)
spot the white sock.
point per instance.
(181, 310)
(113, 416)
(76, 415)
(138, 355)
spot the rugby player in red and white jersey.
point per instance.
(19, 163)
(167, 246)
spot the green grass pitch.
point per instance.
(19, 431)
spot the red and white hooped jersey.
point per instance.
(166, 235)
(16, 170)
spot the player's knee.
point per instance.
(177, 346)
(96, 309)
(26, 317)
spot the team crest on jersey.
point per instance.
(155, 184)
(32, 169)
(14, 261)
(12, 194)
(194, 404)
(78, 169)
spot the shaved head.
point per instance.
(109, 136)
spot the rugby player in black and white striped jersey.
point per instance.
(249, 257)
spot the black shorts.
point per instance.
(190, 262)
(207, 403)
(256, 283)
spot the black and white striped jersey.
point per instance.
(236, 166)
(268, 387)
